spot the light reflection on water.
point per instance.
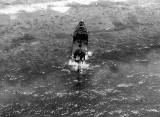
(60, 6)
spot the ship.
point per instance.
(80, 43)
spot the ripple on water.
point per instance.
(125, 85)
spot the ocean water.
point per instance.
(117, 83)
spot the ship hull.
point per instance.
(80, 38)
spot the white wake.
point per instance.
(82, 65)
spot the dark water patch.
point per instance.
(27, 38)
(75, 81)
(32, 62)
(62, 35)
(84, 82)
(113, 66)
(130, 22)
(126, 52)
(119, 26)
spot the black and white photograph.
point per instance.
(79, 58)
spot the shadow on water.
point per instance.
(83, 81)
(76, 81)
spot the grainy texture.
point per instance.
(124, 79)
